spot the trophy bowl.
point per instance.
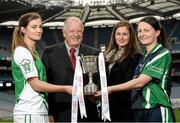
(89, 66)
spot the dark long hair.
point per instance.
(131, 48)
(157, 26)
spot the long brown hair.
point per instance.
(131, 48)
(18, 36)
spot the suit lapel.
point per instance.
(65, 58)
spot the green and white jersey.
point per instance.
(28, 101)
(156, 91)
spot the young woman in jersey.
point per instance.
(29, 73)
(122, 56)
(151, 101)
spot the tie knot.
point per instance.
(72, 50)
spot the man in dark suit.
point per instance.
(60, 71)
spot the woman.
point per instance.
(151, 101)
(122, 56)
(29, 73)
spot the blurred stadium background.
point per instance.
(98, 16)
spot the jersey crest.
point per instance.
(26, 65)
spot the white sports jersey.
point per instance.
(28, 101)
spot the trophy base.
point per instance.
(90, 89)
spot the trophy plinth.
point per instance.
(89, 65)
(90, 89)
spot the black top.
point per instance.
(120, 103)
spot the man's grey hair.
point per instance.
(69, 19)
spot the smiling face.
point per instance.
(147, 34)
(33, 31)
(122, 36)
(73, 32)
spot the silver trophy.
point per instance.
(89, 65)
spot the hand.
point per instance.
(51, 119)
(68, 89)
(98, 94)
(109, 89)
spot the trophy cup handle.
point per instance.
(82, 63)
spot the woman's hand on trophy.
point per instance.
(68, 89)
(109, 89)
(98, 94)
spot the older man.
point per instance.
(60, 70)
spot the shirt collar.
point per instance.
(68, 49)
(154, 49)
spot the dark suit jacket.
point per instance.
(60, 72)
(120, 103)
